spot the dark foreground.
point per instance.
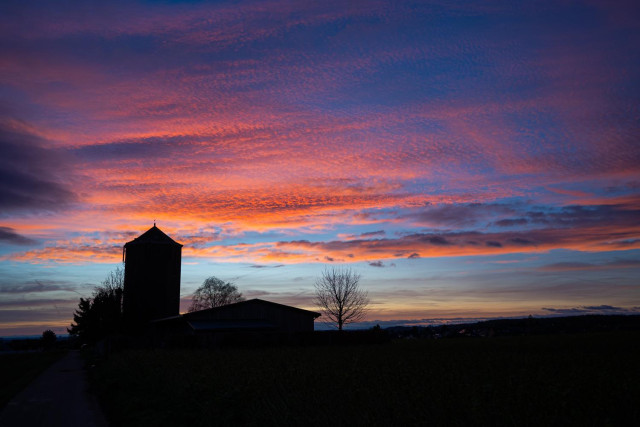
(579, 379)
(18, 370)
(57, 398)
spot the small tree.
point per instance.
(100, 315)
(339, 296)
(214, 293)
(48, 339)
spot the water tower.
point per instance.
(151, 277)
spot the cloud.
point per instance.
(367, 235)
(511, 222)
(593, 228)
(376, 264)
(581, 216)
(601, 307)
(53, 311)
(200, 238)
(266, 266)
(470, 216)
(593, 309)
(73, 251)
(590, 235)
(37, 287)
(149, 149)
(520, 241)
(378, 233)
(8, 235)
(584, 266)
(459, 215)
(30, 173)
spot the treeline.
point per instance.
(48, 341)
(526, 326)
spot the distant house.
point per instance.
(152, 294)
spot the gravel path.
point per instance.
(58, 397)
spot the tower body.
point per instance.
(151, 277)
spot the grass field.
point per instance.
(17, 370)
(588, 379)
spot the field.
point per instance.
(17, 370)
(581, 379)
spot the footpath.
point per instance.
(58, 397)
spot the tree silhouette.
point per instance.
(100, 315)
(214, 292)
(48, 339)
(339, 296)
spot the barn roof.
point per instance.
(250, 302)
(153, 235)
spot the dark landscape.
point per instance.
(579, 370)
(566, 378)
(18, 369)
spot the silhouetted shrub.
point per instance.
(48, 339)
(101, 315)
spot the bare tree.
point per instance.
(113, 284)
(339, 296)
(214, 293)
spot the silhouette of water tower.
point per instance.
(151, 277)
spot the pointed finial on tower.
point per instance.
(154, 222)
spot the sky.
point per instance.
(468, 159)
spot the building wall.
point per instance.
(151, 282)
(286, 320)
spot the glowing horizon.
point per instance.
(468, 160)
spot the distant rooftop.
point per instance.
(153, 235)
(254, 301)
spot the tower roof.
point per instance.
(154, 236)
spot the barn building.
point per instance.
(152, 298)
(255, 319)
